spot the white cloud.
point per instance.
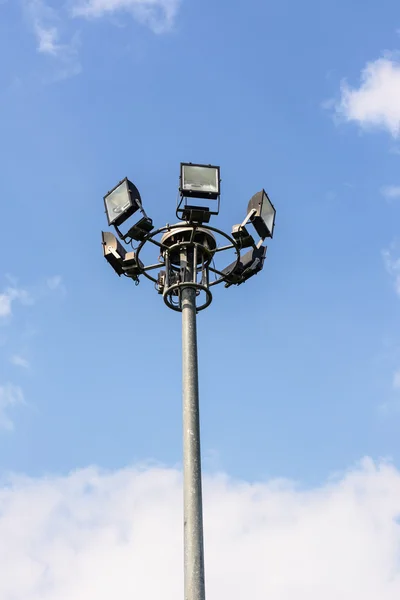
(96, 536)
(392, 264)
(52, 25)
(47, 25)
(8, 297)
(5, 305)
(10, 396)
(15, 293)
(47, 40)
(376, 102)
(158, 14)
(391, 192)
(56, 284)
(20, 361)
(44, 20)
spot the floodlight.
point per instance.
(263, 217)
(242, 236)
(114, 252)
(122, 202)
(199, 181)
(250, 264)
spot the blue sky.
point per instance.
(300, 367)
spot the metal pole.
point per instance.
(193, 509)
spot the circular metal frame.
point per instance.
(208, 253)
(149, 238)
(199, 237)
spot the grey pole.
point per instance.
(193, 505)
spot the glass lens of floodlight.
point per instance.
(118, 201)
(268, 213)
(200, 179)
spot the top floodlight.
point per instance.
(122, 202)
(199, 181)
(263, 214)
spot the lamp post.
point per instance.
(186, 271)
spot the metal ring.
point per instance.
(180, 286)
(152, 234)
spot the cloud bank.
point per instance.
(94, 536)
(375, 103)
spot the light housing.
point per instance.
(113, 251)
(242, 237)
(196, 214)
(263, 217)
(139, 231)
(200, 181)
(250, 264)
(122, 202)
(132, 266)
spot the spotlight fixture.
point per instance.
(122, 202)
(262, 214)
(123, 262)
(199, 181)
(113, 251)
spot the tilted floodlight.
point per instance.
(263, 214)
(199, 181)
(123, 262)
(250, 264)
(113, 251)
(122, 202)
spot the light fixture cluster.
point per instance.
(199, 199)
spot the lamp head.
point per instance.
(263, 217)
(199, 181)
(122, 202)
(113, 251)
